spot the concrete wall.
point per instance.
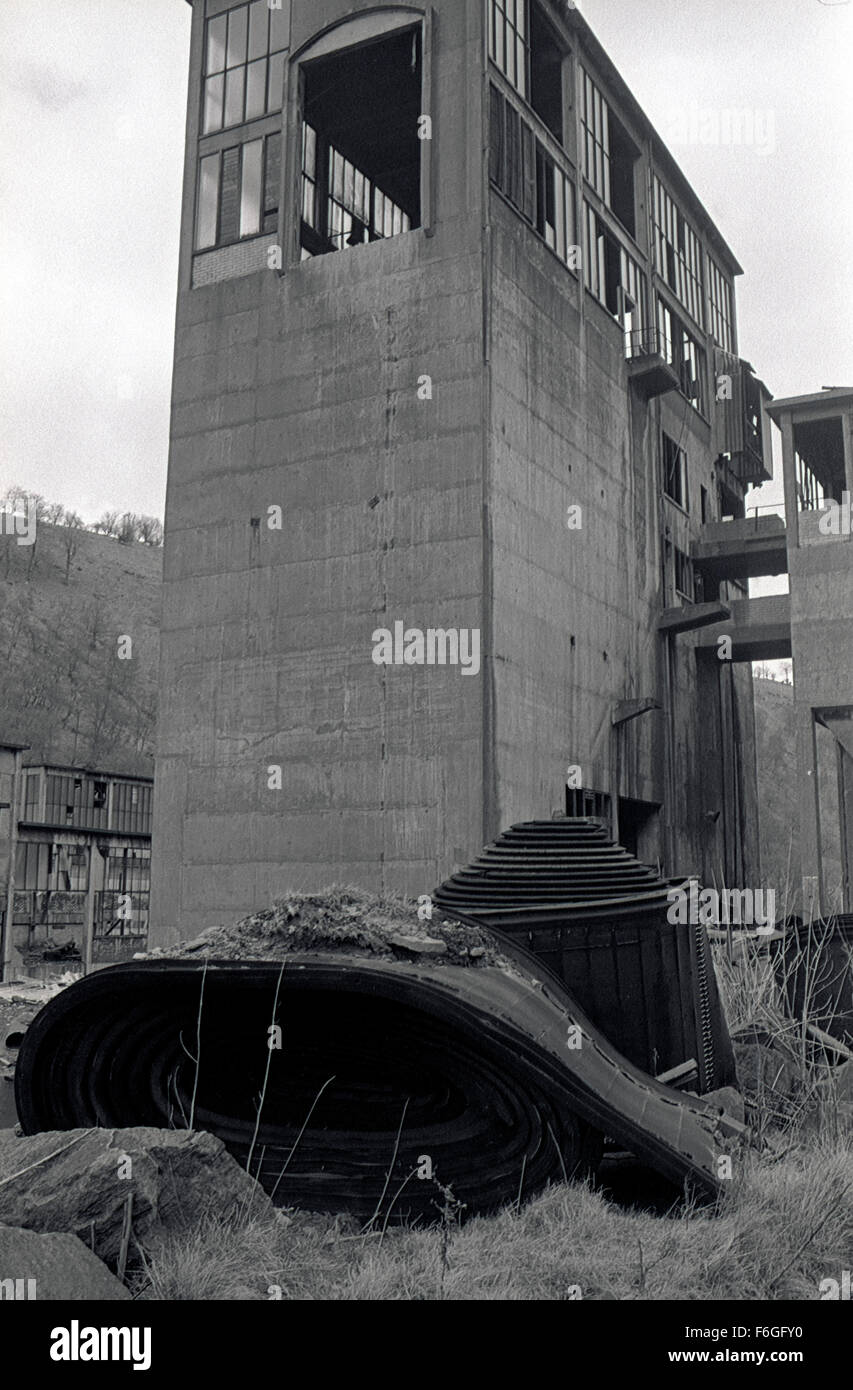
(574, 611)
(300, 391)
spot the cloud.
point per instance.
(51, 88)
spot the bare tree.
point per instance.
(23, 495)
(150, 530)
(54, 513)
(73, 525)
(128, 528)
(108, 524)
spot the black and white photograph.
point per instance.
(426, 673)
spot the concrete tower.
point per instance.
(456, 360)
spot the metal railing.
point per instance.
(647, 342)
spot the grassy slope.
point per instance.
(63, 689)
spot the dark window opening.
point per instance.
(732, 507)
(674, 462)
(99, 794)
(609, 155)
(580, 801)
(623, 157)
(361, 152)
(614, 277)
(704, 502)
(683, 352)
(638, 823)
(546, 72)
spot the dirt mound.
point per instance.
(345, 920)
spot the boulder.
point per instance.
(53, 1266)
(79, 1180)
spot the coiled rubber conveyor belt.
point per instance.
(383, 1063)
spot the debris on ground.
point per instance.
(343, 920)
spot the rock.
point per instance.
(78, 1180)
(419, 945)
(729, 1100)
(54, 1266)
(767, 1078)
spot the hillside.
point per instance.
(64, 687)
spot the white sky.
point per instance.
(91, 150)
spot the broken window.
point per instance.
(682, 351)
(674, 469)
(609, 155)
(243, 65)
(678, 252)
(361, 152)
(524, 171)
(238, 192)
(614, 277)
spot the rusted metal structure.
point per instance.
(492, 1078)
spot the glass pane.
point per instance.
(208, 200)
(256, 89)
(213, 89)
(216, 44)
(237, 35)
(279, 27)
(250, 193)
(258, 29)
(276, 83)
(235, 86)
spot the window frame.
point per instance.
(677, 253)
(268, 57)
(677, 465)
(267, 210)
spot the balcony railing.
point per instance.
(647, 342)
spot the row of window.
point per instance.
(78, 800)
(345, 194)
(608, 158)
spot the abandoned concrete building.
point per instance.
(75, 861)
(456, 353)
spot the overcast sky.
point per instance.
(93, 109)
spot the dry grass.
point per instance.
(784, 1227)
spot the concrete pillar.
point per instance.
(808, 812)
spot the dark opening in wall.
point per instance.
(623, 157)
(361, 155)
(546, 72)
